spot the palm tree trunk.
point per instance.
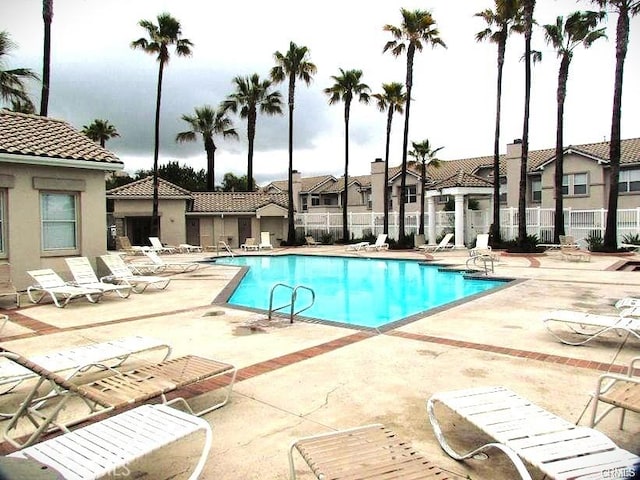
(610, 241)
(155, 220)
(210, 149)
(385, 226)
(558, 217)
(291, 231)
(47, 15)
(529, 6)
(495, 227)
(405, 145)
(251, 135)
(345, 193)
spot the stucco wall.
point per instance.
(23, 227)
(172, 216)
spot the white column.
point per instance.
(431, 212)
(459, 220)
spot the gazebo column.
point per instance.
(459, 220)
(431, 212)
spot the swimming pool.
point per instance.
(364, 292)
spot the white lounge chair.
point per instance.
(265, 241)
(381, 243)
(84, 276)
(250, 244)
(177, 266)
(357, 246)
(617, 391)
(188, 248)
(50, 283)
(591, 325)
(627, 302)
(369, 452)
(121, 273)
(158, 247)
(444, 244)
(154, 441)
(524, 431)
(309, 241)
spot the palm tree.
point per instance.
(207, 122)
(417, 28)
(47, 16)
(423, 153)
(100, 131)
(528, 7)
(625, 10)
(12, 82)
(579, 29)
(293, 64)
(347, 86)
(22, 106)
(391, 100)
(506, 18)
(166, 33)
(251, 95)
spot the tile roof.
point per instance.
(462, 179)
(23, 134)
(143, 188)
(223, 202)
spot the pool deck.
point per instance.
(305, 378)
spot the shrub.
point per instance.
(631, 238)
(526, 245)
(594, 241)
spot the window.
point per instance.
(315, 200)
(59, 221)
(410, 194)
(305, 205)
(629, 181)
(536, 189)
(574, 184)
(503, 189)
(444, 199)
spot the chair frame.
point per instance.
(181, 267)
(250, 244)
(158, 247)
(84, 276)
(49, 283)
(309, 241)
(577, 322)
(371, 452)
(121, 389)
(617, 391)
(121, 273)
(528, 433)
(265, 241)
(380, 244)
(119, 443)
(444, 244)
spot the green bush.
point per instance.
(526, 245)
(594, 241)
(631, 238)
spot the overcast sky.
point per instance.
(96, 74)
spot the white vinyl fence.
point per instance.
(579, 223)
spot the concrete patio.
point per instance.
(305, 378)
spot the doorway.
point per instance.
(244, 229)
(193, 231)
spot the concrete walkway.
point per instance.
(306, 378)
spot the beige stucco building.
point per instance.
(52, 194)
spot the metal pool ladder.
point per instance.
(294, 296)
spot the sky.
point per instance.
(95, 74)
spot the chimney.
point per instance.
(514, 149)
(377, 166)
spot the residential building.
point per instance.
(52, 194)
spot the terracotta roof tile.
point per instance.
(143, 188)
(463, 179)
(23, 134)
(223, 202)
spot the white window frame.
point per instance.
(626, 180)
(315, 200)
(411, 194)
(569, 182)
(47, 245)
(536, 180)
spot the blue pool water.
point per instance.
(358, 291)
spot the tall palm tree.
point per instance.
(47, 16)
(391, 99)
(293, 64)
(100, 131)
(161, 36)
(208, 121)
(12, 81)
(625, 9)
(416, 30)
(565, 36)
(528, 8)
(21, 106)
(506, 18)
(253, 95)
(425, 155)
(347, 86)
